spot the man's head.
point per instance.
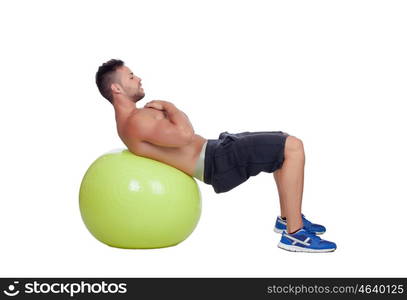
(113, 77)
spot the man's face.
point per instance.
(130, 83)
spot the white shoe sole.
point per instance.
(280, 231)
(301, 249)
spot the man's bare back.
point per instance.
(183, 158)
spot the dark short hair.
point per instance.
(105, 77)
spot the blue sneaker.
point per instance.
(281, 226)
(305, 241)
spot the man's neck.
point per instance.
(123, 107)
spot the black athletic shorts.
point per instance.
(232, 158)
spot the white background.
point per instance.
(332, 73)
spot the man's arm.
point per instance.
(176, 131)
(176, 116)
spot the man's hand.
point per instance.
(160, 105)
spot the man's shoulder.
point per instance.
(136, 118)
(142, 119)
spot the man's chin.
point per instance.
(138, 97)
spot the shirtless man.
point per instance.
(162, 132)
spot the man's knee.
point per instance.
(293, 144)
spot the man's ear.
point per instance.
(116, 88)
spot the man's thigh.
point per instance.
(246, 154)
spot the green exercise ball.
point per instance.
(130, 201)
